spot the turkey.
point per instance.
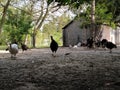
(24, 47)
(103, 42)
(90, 42)
(110, 46)
(13, 49)
(53, 45)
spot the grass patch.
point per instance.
(3, 47)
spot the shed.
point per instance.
(73, 33)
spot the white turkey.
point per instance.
(13, 49)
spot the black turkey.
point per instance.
(53, 45)
(110, 46)
(24, 47)
(103, 42)
(90, 42)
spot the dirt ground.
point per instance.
(71, 69)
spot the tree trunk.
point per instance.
(42, 19)
(4, 14)
(26, 39)
(38, 26)
(93, 19)
(34, 38)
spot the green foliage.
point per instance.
(101, 16)
(3, 38)
(107, 11)
(71, 3)
(17, 25)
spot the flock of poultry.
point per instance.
(104, 43)
(13, 47)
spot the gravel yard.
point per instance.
(71, 69)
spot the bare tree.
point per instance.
(40, 11)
